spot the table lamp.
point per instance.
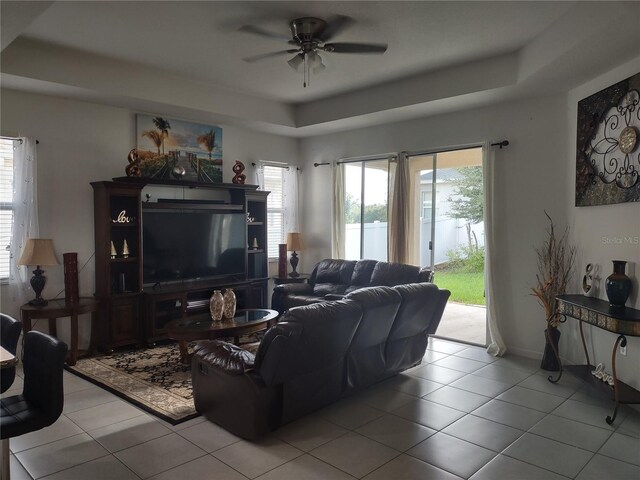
(38, 252)
(294, 242)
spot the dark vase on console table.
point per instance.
(618, 285)
(550, 358)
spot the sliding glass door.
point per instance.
(448, 209)
(366, 209)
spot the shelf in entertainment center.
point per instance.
(192, 206)
(124, 260)
(184, 183)
(252, 224)
(124, 225)
(258, 250)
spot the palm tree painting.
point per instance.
(178, 150)
(163, 127)
(155, 137)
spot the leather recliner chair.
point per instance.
(315, 355)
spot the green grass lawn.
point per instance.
(465, 287)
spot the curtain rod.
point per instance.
(15, 139)
(501, 144)
(274, 164)
(389, 156)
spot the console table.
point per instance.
(58, 308)
(624, 322)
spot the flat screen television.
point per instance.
(182, 244)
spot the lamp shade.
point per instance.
(38, 251)
(295, 242)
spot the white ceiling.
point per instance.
(200, 40)
(185, 58)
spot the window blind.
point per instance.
(6, 205)
(273, 180)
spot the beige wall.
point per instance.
(602, 234)
(82, 142)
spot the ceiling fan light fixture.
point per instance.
(296, 61)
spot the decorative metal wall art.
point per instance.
(174, 149)
(608, 153)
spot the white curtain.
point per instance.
(260, 176)
(338, 237)
(290, 199)
(496, 346)
(25, 216)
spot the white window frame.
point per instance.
(6, 204)
(269, 171)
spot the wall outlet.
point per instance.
(623, 350)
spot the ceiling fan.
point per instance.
(309, 36)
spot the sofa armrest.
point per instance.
(224, 356)
(425, 275)
(333, 297)
(281, 292)
(294, 289)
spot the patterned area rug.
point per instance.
(152, 378)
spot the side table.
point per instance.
(58, 308)
(281, 280)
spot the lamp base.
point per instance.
(38, 302)
(294, 264)
(38, 282)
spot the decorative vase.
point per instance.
(549, 358)
(229, 304)
(216, 305)
(71, 294)
(618, 285)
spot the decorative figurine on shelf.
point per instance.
(125, 249)
(216, 305)
(239, 178)
(133, 169)
(123, 218)
(178, 172)
(255, 243)
(114, 254)
(250, 219)
(229, 304)
(590, 280)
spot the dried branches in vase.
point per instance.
(556, 259)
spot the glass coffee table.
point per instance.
(201, 327)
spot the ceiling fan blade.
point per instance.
(334, 26)
(355, 47)
(296, 61)
(264, 33)
(262, 56)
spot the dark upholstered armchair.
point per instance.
(42, 398)
(332, 279)
(10, 329)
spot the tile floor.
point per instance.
(461, 414)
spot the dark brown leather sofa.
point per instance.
(331, 279)
(314, 356)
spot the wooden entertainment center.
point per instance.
(132, 313)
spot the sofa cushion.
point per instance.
(332, 276)
(361, 276)
(366, 356)
(418, 316)
(390, 274)
(306, 354)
